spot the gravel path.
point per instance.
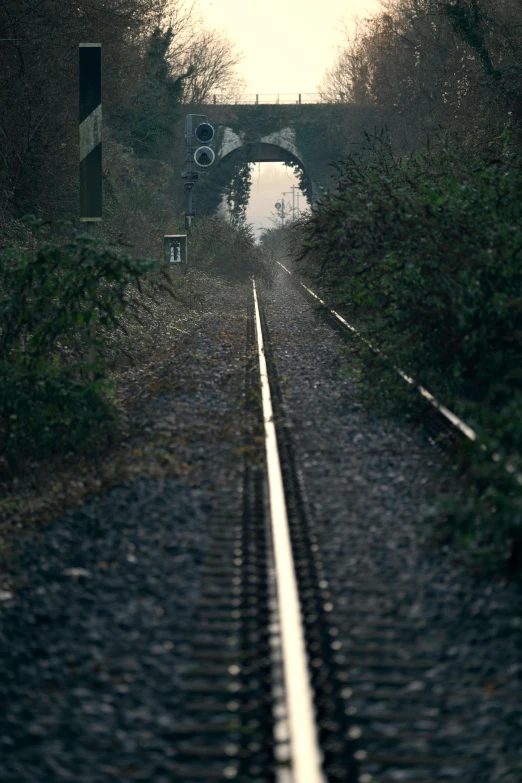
(433, 656)
(96, 620)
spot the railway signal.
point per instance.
(90, 72)
(292, 191)
(197, 129)
(280, 206)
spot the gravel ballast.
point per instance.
(432, 654)
(97, 607)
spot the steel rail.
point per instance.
(306, 756)
(464, 428)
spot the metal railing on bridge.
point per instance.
(254, 99)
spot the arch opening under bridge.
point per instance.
(267, 152)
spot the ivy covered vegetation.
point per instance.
(420, 237)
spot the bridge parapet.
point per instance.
(275, 99)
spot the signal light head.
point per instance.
(204, 156)
(204, 132)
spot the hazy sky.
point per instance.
(287, 44)
(271, 182)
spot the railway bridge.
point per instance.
(310, 136)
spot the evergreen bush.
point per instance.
(56, 306)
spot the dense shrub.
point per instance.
(228, 250)
(431, 247)
(56, 305)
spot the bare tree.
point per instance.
(349, 79)
(210, 59)
(435, 69)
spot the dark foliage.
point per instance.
(238, 192)
(56, 304)
(154, 110)
(424, 251)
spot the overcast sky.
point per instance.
(287, 46)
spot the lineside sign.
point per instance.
(90, 132)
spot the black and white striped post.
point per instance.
(90, 65)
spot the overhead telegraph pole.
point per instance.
(90, 76)
(293, 190)
(287, 193)
(295, 193)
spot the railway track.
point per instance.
(282, 688)
(154, 634)
(264, 693)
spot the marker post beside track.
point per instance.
(90, 72)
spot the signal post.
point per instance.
(198, 134)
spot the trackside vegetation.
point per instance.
(424, 255)
(419, 238)
(70, 303)
(228, 249)
(75, 309)
(58, 304)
